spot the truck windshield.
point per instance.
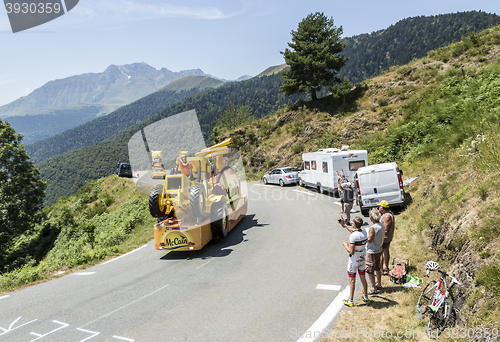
(174, 183)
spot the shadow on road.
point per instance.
(220, 249)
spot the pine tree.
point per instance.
(314, 56)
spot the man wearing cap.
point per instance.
(387, 220)
(347, 198)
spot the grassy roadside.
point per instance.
(447, 224)
(105, 218)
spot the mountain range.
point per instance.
(62, 104)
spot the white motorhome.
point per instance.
(379, 182)
(318, 169)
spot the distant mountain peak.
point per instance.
(117, 85)
(243, 78)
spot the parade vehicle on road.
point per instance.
(196, 208)
(157, 170)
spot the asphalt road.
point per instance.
(258, 284)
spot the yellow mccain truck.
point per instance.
(196, 208)
(157, 170)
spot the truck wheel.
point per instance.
(197, 200)
(301, 183)
(364, 211)
(219, 220)
(227, 178)
(155, 208)
(320, 188)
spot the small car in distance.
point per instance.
(124, 170)
(282, 176)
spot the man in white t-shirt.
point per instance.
(356, 263)
(374, 251)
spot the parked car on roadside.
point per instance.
(124, 170)
(282, 176)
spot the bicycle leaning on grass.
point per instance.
(435, 299)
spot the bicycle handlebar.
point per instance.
(444, 274)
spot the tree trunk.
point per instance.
(313, 95)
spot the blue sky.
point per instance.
(224, 38)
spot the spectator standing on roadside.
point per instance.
(348, 199)
(374, 251)
(341, 179)
(356, 247)
(388, 221)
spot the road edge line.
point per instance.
(123, 255)
(316, 330)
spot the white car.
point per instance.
(282, 176)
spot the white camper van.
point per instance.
(379, 182)
(318, 169)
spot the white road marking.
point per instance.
(125, 306)
(328, 287)
(305, 192)
(63, 325)
(316, 331)
(83, 273)
(123, 338)
(3, 297)
(90, 332)
(121, 256)
(10, 328)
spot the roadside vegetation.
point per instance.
(105, 218)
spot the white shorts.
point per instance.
(356, 264)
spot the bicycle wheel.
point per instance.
(426, 296)
(439, 319)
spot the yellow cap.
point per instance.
(384, 204)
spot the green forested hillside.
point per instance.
(409, 38)
(39, 124)
(99, 129)
(69, 171)
(190, 82)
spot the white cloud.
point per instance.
(5, 79)
(128, 10)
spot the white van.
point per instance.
(379, 182)
(318, 169)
